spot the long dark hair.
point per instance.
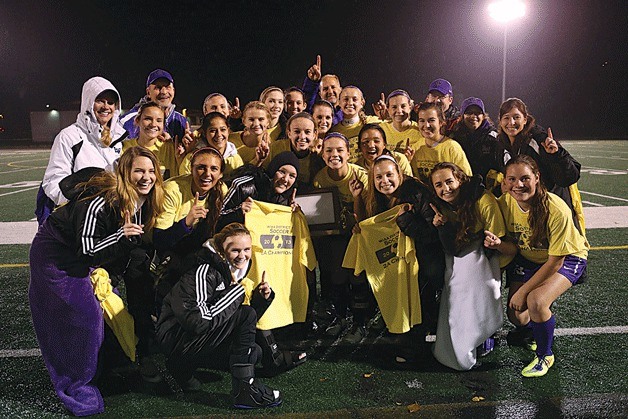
(214, 197)
(539, 205)
(464, 206)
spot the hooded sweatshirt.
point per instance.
(79, 146)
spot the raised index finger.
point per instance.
(318, 62)
(549, 133)
(127, 217)
(237, 102)
(196, 199)
(263, 276)
(435, 209)
(383, 98)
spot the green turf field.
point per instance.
(588, 380)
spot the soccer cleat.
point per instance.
(486, 348)
(252, 394)
(336, 326)
(355, 335)
(538, 367)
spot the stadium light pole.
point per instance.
(505, 11)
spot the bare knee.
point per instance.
(537, 304)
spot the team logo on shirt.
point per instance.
(387, 255)
(277, 241)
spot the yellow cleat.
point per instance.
(538, 367)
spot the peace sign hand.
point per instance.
(130, 228)
(550, 145)
(235, 112)
(314, 72)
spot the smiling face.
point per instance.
(217, 103)
(386, 176)
(372, 144)
(521, 183)
(436, 96)
(446, 185)
(330, 89)
(513, 122)
(143, 175)
(295, 103)
(206, 172)
(399, 108)
(429, 124)
(335, 153)
(284, 178)
(161, 91)
(351, 102)
(150, 122)
(301, 133)
(473, 117)
(105, 106)
(274, 102)
(217, 133)
(256, 121)
(237, 250)
(323, 116)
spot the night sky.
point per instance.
(566, 59)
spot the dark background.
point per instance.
(566, 59)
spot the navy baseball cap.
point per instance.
(442, 86)
(158, 74)
(472, 101)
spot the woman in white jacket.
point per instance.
(94, 140)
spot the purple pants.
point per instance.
(68, 321)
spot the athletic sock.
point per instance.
(544, 336)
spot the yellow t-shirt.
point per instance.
(427, 157)
(389, 259)
(274, 132)
(178, 200)
(322, 180)
(402, 161)
(396, 140)
(283, 248)
(304, 163)
(164, 151)
(563, 238)
(490, 219)
(351, 132)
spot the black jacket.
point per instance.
(417, 223)
(201, 301)
(482, 148)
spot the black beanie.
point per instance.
(281, 159)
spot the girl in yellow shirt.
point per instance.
(551, 255)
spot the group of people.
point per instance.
(164, 208)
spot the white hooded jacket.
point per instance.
(84, 133)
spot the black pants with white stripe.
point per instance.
(231, 343)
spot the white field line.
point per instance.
(22, 170)
(607, 157)
(21, 190)
(592, 203)
(603, 196)
(571, 331)
(568, 331)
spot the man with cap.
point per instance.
(160, 89)
(440, 91)
(478, 137)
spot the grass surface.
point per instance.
(362, 380)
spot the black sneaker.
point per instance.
(253, 394)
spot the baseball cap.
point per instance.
(158, 74)
(441, 85)
(471, 101)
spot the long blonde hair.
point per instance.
(119, 191)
